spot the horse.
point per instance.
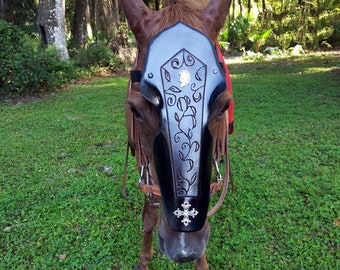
(177, 122)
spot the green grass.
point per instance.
(62, 158)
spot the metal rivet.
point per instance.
(215, 71)
(150, 75)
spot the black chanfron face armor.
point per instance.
(183, 79)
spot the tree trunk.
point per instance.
(241, 7)
(81, 23)
(51, 22)
(264, 9)
(107, 17)
(265, 14)
(157, 4)
(233, 13)
(302, 32)
(6, 10)
(249, 6)
(154, 4)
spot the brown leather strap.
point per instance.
(226, 176)
(151, 189)
(125, 170)
(155, 190)
(224, 190)
(215, 187)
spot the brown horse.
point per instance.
(175, 136)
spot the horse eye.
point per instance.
(225, 108)
(136, 114)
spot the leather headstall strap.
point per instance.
(151, 191)
(135, 76)
(125, 170)
(225, 152)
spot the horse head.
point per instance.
(176, 117)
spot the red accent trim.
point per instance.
(230, 89)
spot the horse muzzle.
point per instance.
(182, 247)
(184, 180)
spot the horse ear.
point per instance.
(214, 16)
(135, 12)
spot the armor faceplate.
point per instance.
(183, 79)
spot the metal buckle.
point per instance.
(219, 177)
(149, 195)
(141, 180)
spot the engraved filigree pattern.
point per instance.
(181, 103)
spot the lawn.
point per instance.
(62, 158)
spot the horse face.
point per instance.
(178, 246)
(181, 96)
(178, 105)
(183, 84)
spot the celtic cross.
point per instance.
(186, 213)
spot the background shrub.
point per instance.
(27, 68)
(236, 32)
(96, 56)
(16, 54)
(55, 72)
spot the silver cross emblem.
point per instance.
(186, 213)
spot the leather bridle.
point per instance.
(152, 190)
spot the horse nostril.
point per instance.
(176, 253)
(184, 259)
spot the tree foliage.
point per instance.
(313, 24)
(96, 32)
(25, 68)
(310, 23)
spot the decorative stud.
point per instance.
(184, 77)
(186, 213)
